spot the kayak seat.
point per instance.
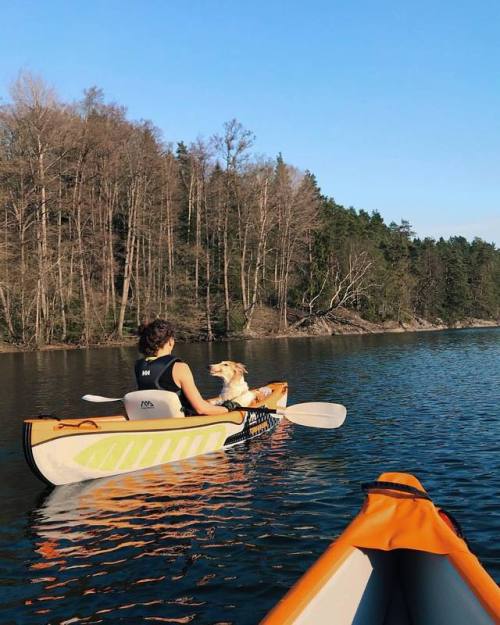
(152, 404)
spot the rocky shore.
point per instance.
(346, 322)
(343, 322)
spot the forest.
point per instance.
(105, 224)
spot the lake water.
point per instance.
(219, 539)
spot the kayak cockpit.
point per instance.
(399, 587)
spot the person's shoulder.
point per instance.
(182, 368)
(182, 373)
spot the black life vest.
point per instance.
(156, 374)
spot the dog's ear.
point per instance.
(240, 368)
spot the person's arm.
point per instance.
(184, 378)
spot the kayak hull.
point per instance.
(399, 562)
(73, 450)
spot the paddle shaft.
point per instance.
(262, 409)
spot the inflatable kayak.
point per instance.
(400, 562)
(62, 451)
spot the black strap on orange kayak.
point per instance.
(456, 525)
(415, 492)
(402, 488)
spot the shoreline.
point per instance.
(344, 326)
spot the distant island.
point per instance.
(104, 225)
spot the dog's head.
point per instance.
(228, 370)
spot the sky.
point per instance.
(393, 105)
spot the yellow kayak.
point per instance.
(62, 451)
(399, 562)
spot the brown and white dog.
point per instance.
(234, 387)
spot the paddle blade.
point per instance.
(98, 399)
(316, 414)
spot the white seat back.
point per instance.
(152, 405)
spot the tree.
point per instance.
(232, 146)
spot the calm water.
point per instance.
(218, 539)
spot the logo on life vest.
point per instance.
(145, 403)
(146, 372)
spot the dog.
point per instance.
(234, 387)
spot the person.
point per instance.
(160, 370)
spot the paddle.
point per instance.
(310, 414)
(98, 399)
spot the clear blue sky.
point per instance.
(394, 105)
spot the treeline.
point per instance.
(104, 225)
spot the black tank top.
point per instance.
(156, 374)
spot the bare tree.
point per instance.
(339, 287)
(232, 146)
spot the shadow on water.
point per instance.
(220, 538)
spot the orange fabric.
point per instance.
(391, 520)
(394, 520)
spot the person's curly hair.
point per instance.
(152, 336)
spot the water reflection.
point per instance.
(127, 539)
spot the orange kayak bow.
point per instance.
(401, 561)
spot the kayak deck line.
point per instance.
(399, 562)
(72, 450)
(100, 430)
(120, 424)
